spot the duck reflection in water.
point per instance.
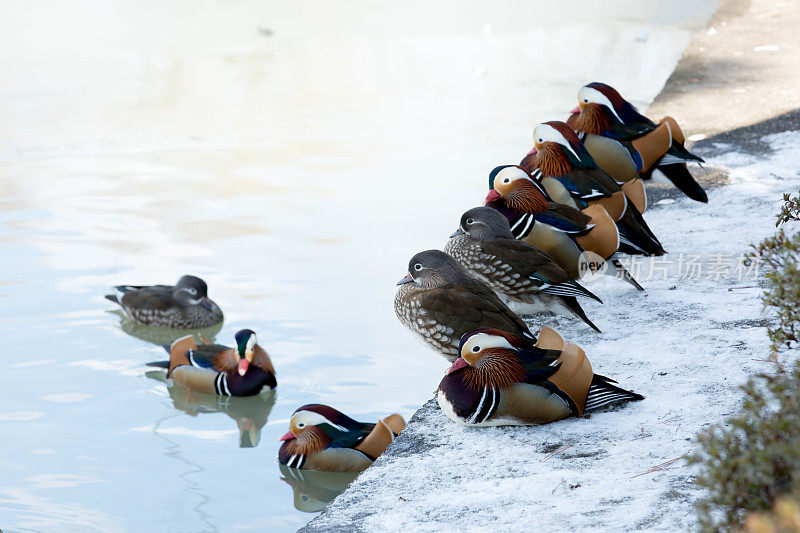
(160, 335)
(250, 413)
(313, 490)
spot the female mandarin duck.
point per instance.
(440, 301)
(184, 305)
(556, 231)
(217, 369)
(603, 112)
(561, 156)
(501, 379)
(528, 280)
(322, 438)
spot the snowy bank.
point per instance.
(686, 344)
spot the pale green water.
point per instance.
(297, 173)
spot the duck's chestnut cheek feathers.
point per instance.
(296, 428)
(471, 357)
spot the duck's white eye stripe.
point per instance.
(251, 342)
(547, 133)
(591, 95)
(310, 418)
(481, 341)
(510, 174)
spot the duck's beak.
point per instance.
(457, 232)
(458, 364)
(406, 279)
(289, 436)
(205, 302)
(244, 364)
(575, 111)
(492, 196)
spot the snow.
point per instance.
(686, 344)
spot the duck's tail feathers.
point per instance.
(128, 288)
(572, 304)
(121, 290)
(159, 364)
(603, 393)
(625, 275)
(569, 288)
(680, 176)
(679, 152)
(635, 236)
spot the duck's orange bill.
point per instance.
(243, 365)
(289, 436)
(458, 364)
(492, 196)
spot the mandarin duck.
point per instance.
(501, 379)
(525, 278)
(216, 369)
(440, 301)
(561, 155)
(533, 218)
(184, 305)
(603, 112)
(322, 438)
(544, 221)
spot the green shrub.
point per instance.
(753, 458)
(781, 254)
(751, 463)
(790, 209)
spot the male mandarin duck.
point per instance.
(440, 301)
(603, 112)
(544, 221)
(527, 279)
(184, 305)
(216, 369)
(501, 379)
(558, 229)
(560, 155)
(322, 438)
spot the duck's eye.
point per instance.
(301, 425)
(585, 100)
(541, 140)
(476, 349)
(417, 267)
(470, 221)
(191, 291)
(506, 180)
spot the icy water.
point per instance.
(294, 155)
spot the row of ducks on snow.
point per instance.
(580, 189)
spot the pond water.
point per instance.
(294, 155)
